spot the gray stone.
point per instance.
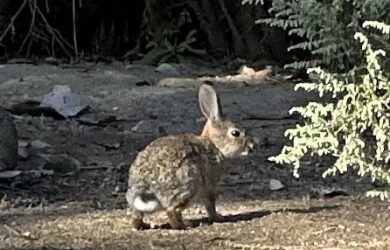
(179, 82)
(8, 141)
(167, 69)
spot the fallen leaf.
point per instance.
(9, 174)
(39, 144)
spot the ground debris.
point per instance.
(8, 141)
(9, 174)
(64, 102)
(82, 205)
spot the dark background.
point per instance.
(121, 29)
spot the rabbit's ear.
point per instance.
(209, 103)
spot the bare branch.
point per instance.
(74, 29)
(11, 23)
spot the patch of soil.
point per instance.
(70, 194)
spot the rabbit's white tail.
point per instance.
(144, 205)
(143, 202)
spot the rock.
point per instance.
(39, 144)
(22, 153)
(245, 70)
(167, 69)
(275, 184)
(263, 74)
(23, 144)
(266, 72)
(179, 82)
(61, 163)
(8, 142)
(64, 101)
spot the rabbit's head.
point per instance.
(229, 137)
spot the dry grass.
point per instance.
(290, 224)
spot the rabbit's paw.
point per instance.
(216, 218)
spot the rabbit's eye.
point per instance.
(235, 133)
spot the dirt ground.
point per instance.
(70, 193)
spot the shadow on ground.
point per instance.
(248, 216)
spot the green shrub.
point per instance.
(355, 128)
(164, 50)
(327, 28)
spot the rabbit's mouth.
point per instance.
(249, 149)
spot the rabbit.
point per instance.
(176, 170)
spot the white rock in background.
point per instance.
(179, 82)
(245, 70)
(275, 185)
(167, 69)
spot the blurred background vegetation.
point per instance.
(301, 34)
(149, 30)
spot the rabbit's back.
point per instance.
(175, 168)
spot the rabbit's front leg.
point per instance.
(209, 203)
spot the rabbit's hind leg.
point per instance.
(175, 218)
(174, 210)
(137, 220)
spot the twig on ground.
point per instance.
(16, 233)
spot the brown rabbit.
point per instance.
(175, 170)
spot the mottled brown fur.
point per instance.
(178, 169)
